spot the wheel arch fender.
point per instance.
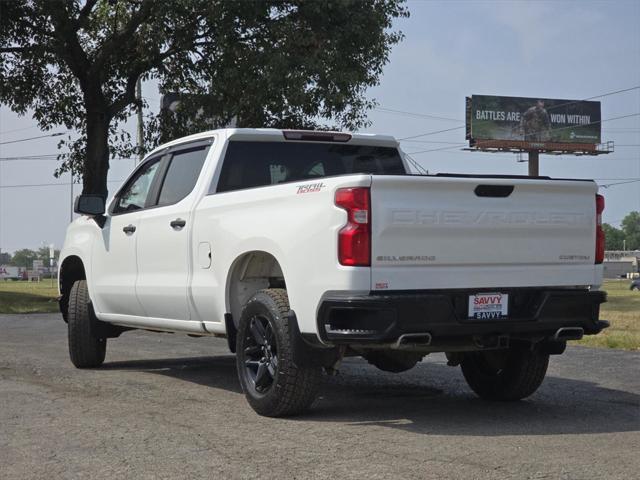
(250, 272)
(72, 268)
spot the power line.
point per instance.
(50, 184)
(37, 185)
(33, 138)
(48, 158)
(431, 141)
(29, 157)
(586, 124)
(555, 106)
(497, 154)
(432, 133)
(415, 115)
(619, 183)
(595, 157)
(456, 143)
(534, 133)
(18, 130)
(636, 87)
(440, 149)
(415, 164)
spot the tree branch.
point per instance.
(129, 95)
(115, 42)
(19, 49)
(68, 45)
(84, 13)
(32, 26)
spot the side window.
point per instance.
(134, 195)
(182, 174)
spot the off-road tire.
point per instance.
(506, 375)
(86, 350)
(293, 388)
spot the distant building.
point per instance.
(621, 264)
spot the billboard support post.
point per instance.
(534, 163)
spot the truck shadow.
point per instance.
(430, 399)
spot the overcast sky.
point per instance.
(566, 50)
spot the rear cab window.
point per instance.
(256, 164)
(163, 180)
(181, 174)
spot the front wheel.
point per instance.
(273, 384)
(86, 349)
(506, 375)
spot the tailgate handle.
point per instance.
(496, 191)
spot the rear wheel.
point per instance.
(85, 348)
(273, 384)
(506, 375)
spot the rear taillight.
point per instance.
(599, 231)
(354, 239)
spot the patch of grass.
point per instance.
(28, 297)
(623, 311)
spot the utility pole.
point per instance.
(139, 109)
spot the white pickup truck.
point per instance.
(303, 247)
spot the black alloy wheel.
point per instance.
(272, 382)
(261, 354)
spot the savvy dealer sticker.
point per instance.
(488, 306)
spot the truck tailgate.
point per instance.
(432, 232)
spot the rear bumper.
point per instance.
(534, 314)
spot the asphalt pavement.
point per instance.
(170, 406)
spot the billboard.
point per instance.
(541, 123)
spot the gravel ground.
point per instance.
(169, 406)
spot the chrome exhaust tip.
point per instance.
(568, 333)
(409, 340)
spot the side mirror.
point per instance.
(89, 204)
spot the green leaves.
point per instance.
(613, 237)
(625, 238)
(631, 229)
(269, 63)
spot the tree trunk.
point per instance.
(96, 163)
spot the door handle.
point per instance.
(129, 229)
(178, 223)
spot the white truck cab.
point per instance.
(302, 247)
